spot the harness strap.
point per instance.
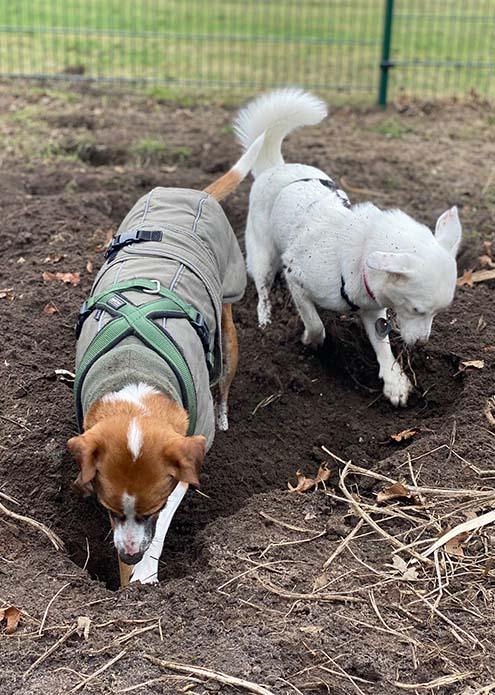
(345, 296)
(129, 319)
(131, 237)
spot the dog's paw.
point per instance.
(145, 572)
(313, 339)
(264, 322)
(222, 417)
(397, 388)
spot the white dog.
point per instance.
(336, 256)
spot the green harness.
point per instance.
(131, 320)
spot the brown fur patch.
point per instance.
(223, 186)
(166, 454)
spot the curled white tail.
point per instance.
(276, 114)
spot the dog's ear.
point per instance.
(448, 231)
(84, 449)
(185, 458)
(398, 263)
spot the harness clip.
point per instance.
(156, 288)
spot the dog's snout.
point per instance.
(131, 558)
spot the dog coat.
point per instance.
(193, 252)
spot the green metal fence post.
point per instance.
(386, 63)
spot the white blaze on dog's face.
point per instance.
(134, 464)
(420, 283)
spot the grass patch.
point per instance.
(393, 128)
(149, 151)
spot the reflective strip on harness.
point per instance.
(131, 320)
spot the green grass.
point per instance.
(330, 45)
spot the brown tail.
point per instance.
(227, 183)
(223, 186)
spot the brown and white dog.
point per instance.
(134, 452)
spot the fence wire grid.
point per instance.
(436, 47)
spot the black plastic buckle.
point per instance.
(134, 237)
(84, 312)
(202, 330)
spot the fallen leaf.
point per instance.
(469, 277)
(12, 615)
(52, 258)
(103, 245)
(454, 545)
(7, 293)
(407, 573)
(83, 625)
(404, 435)
(311, 629)
(487, 245)
(486, 262)
(68, 278)
(303, 483)
(50, 309)
(476, 364)
(323, 474)
(397, 491)
(466, 279)
(320, 582)
(489, 348)
(89, 266)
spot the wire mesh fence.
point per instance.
(437, 47)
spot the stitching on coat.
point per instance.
(198, 213)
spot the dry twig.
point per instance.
(54, 539)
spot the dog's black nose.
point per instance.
(131, 559)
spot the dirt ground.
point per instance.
(243, 589)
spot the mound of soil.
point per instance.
(243, 586)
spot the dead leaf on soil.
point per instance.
(406, 573)
(12, 615)
(469, 277)
(487, 245)
(454, 546)
(466, 280)
(397, 491)
(486, 262)
(53, 258)
(103, 245)
(68, 278)
(50, 309)
(311, 629)
(489, 409)
(320, 582)
(475, 364)
(404, 435)
(89, 266)
(83, 625)
(304, 483)
(7, 293)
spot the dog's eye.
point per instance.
(117, 517)
(418, 311)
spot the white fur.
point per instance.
(133, 393)
(276, 114)
(128, 535)
(304, 228)
(146, 570)
(134, 438)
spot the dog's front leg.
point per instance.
(396, 385)
(230, 360)
(146, 570)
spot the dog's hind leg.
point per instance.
(230, 360)
(262, 266)
(396, 385)
(146, 570)
(314, 330)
